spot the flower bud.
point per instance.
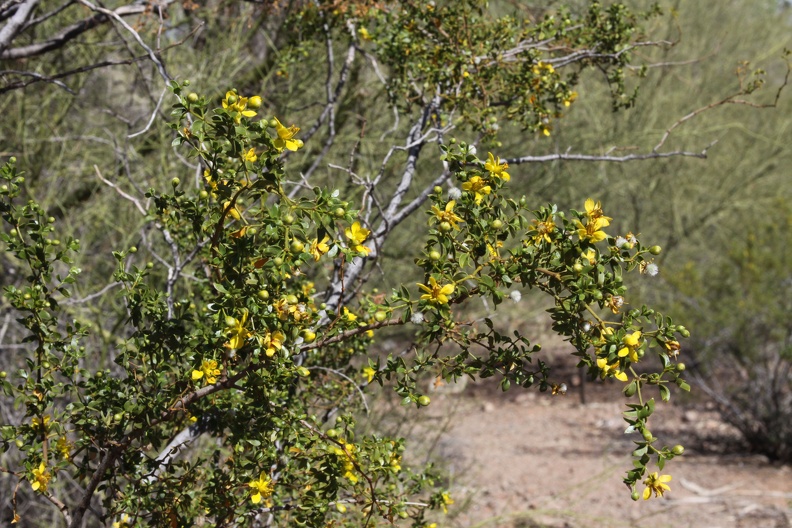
(497, 224)
(254, 102)
(175, 182)
(435, 255)
(423, 401)
(655, 250)
(678, 449)
(380, 316)
(192, 97)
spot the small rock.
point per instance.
(488, 407)
(690, 416)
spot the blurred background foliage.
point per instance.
(724, 222)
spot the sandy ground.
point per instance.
(527, 459)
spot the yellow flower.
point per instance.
(237, 106)
(496, 168)
(369, 373)
(364, 34)
(237, 331)
(285, 137)
(447, 215)
(602, 363)
(64, 447)
(656, 484)
(261, 488)
(446, 501)
(319, 248)
(478, 186)
(37, 424)
(571, 99)
(593, 229)
(590, 255)
(272, 342)
(250, 156)
(632, 342)
(350, 316)
(539, 66)
(347, 455)
(41, 478)
(231, 210)
(594, 211)
(123, 522)
(357, 235)
(208, 371)
(673, 348)
(435, 293)
(542, 230)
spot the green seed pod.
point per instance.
(497, 224)
(423, 401)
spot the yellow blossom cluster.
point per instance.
(347, 456)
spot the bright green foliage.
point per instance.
(248, 333)
(218, 353)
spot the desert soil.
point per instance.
(528, 459)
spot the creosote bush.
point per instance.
(233, 341)
(228, 360)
